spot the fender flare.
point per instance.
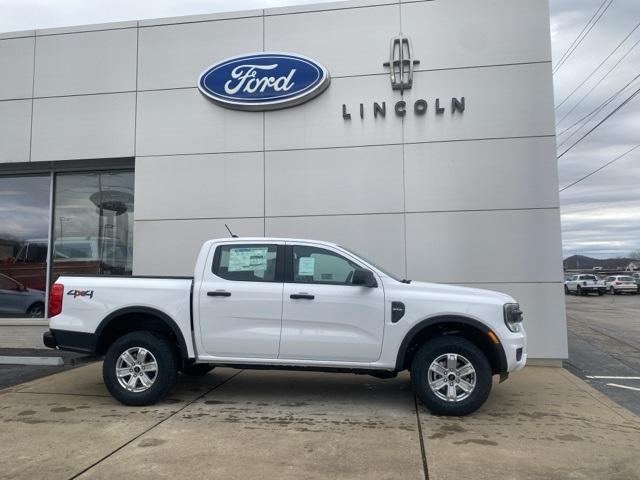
(182, 344)
(428, 322)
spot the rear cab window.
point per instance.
(247, 263)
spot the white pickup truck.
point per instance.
(289, 304)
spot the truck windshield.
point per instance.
(378, 267)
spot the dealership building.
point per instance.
(425, 141)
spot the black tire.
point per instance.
(429, 352)
(198, 369)
(36, 310)
(600, 293)
(164, 378)
(566, 290)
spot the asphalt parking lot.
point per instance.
(542, 423)
(604, 345)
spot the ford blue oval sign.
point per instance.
(264, 81)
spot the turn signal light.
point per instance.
(493, 337)
(55, 299)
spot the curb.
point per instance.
(40, 361)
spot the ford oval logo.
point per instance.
(264, 81)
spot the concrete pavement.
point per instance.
(604, 345)
(542, 423)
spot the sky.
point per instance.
(600, 215)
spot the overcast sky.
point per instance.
(601, 215)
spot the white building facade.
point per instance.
(450, 177)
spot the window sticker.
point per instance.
(306, 266)
(247, 259)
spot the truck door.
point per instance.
(324, 315)
(240, 301)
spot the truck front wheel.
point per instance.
(139, 368)
(451, 376)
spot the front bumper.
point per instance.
(515, 349)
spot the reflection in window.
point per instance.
(24, 226)
(93, 224)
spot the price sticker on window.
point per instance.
(306, 266)
(247, 259)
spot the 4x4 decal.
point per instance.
(80, 293)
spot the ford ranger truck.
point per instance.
(289, 304)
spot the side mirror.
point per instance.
(364, 277)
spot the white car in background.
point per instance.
(617, 284)
(584, 284)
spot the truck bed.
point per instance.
(91, 301)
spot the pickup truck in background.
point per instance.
(584, 284)
(289, 304)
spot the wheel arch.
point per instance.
(138, 318)
(460, 325)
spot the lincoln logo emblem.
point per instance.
(400, 63)
(401, 66)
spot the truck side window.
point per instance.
(246, 263)
(317, 265)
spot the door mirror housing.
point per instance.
(364, 277)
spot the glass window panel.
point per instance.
(246, 263)
(93, 224)
(24, 227)
(317, 265)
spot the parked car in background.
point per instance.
(617, 284)
(16, 300)
(636, 278)
(584, 284)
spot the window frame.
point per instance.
(280, 254)
(289, 273)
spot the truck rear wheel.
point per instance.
(139, 368)
(451, 376)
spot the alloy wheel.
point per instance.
(136, 369)
(452, 377)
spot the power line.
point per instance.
(599, 168)
(578, 42)
(602, 63)
(620, 60)
(601, 122)
(594, 112)
(582, 31)
(601, 106)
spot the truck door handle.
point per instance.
(303, 296)
(219, 293)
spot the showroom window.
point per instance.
(91, 228)
(24, 230)
(93, 224)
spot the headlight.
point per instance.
(512, 316)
